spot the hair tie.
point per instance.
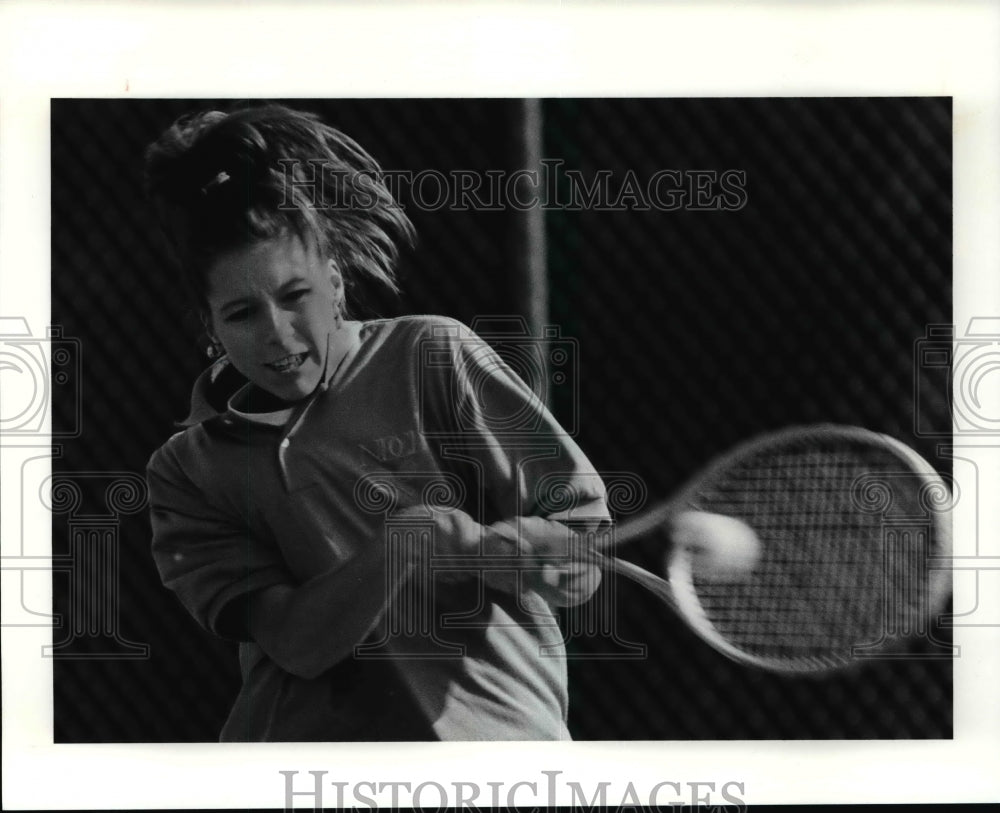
(218, 180)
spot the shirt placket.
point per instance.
(288, 439)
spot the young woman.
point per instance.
(342, 499)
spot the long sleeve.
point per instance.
(203, 556)
(527, 463)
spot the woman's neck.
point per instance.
(256, 400)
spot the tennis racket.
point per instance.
(855, 538)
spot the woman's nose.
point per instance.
(277, 325)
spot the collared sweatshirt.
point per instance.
(418, 412)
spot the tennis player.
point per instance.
(320, 450)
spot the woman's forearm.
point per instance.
(308, 628)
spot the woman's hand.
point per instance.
(522, 553)
(554, 563)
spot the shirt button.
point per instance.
(286, 443)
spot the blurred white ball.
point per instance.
(721, 548)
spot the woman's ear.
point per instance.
(206, 321)
(214, 349)
(337, 280)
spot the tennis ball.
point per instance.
(721, 548)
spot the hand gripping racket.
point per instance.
(855, 537)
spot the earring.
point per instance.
(338, 315)
(215, 350)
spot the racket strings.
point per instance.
(829, 565)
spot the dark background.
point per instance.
(694, 330)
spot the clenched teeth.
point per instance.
(288, 363)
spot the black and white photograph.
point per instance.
(704, 271)
(549, 443)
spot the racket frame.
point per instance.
(678, 588)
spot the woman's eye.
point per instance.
(240, 315)
(295, 296)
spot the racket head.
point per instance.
(850, 523)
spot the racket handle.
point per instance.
(633, 529)
(640, 526)
(656, 585)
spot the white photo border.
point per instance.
(711, 49)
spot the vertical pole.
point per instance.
(528, 229)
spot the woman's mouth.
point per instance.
(288, 363)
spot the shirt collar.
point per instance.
(216, 385)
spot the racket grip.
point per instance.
(656, 585)
(655, 519)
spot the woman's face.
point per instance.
(273, 306)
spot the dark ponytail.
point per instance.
(220, 181)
